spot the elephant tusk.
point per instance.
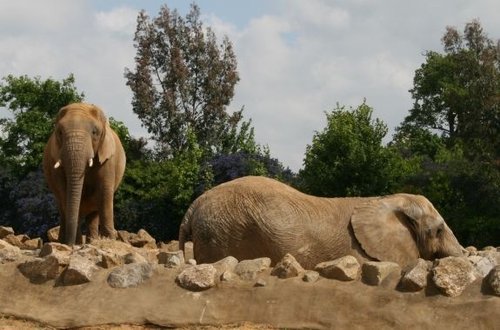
(57, 164)
(91, 162)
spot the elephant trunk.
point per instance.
(75, 162)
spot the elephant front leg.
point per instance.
(106, 219)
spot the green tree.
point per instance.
(183, 81)
(457, 94)
(347, 158)
(30, 106)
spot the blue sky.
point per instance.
(296, 58)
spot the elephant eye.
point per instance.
(95, 131)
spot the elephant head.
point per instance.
(82, 139)
(402, 228)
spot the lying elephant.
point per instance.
(255, 217)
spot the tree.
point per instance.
(347, 158)
(183, 80)
(33, 105)
(457, 94)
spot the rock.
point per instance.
(9, 252)
(415, 279)
(142, 239)
(482, 265)
(6, 231)
(123, 236)
(130, 275)
(260, 283)
(228, 264)
(227, 276)
(33, 244)
(494, 280)
(171, 259)
(15, 240)
(492, 255)
(471, 250)
(192, 262)
(80, 270)
(248, 269)
(171, 246)
(343, 269)
(134, 258)
(452, 275)
(287, 267)
(53, 234)
(197, 278)
(40, 270)
(374, 272)
(310, 276)
(188, 250)
(490, 248)
(52, 248)
(110, 260)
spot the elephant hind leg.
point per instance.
(92, 221)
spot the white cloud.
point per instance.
(120, 20)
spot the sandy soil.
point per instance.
(291, 303)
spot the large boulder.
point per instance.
(197, 278)
(346, 268)
(40, 270)
(482, 265)
(452, 275)
(130, 275)
(287, 267)
(249, 269)
(415, 279)
(375, 272)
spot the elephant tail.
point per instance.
(185, 228)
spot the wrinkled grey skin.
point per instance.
(255, 217)
(83, 163)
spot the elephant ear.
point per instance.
(381, 226)
(54, 148)
(108, 146)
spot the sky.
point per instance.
(297, 59)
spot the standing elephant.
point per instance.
(255, 217)
(83, 163)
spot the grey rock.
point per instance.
(452, 275)
(249, 269)
(374, 272)
(8, 252)
(310, 276)
(197, 278)
(228, 264)
(130, 275)
(80, 270)
(287, 267)
(346, 268)
(6, 231)
(40, 270)
(171, 259)
(415, 279)
(494, 280)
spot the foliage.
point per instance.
(32, 104)
(183, 80)
(457, 94)
(347, 158)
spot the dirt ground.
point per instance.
(160, 303)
